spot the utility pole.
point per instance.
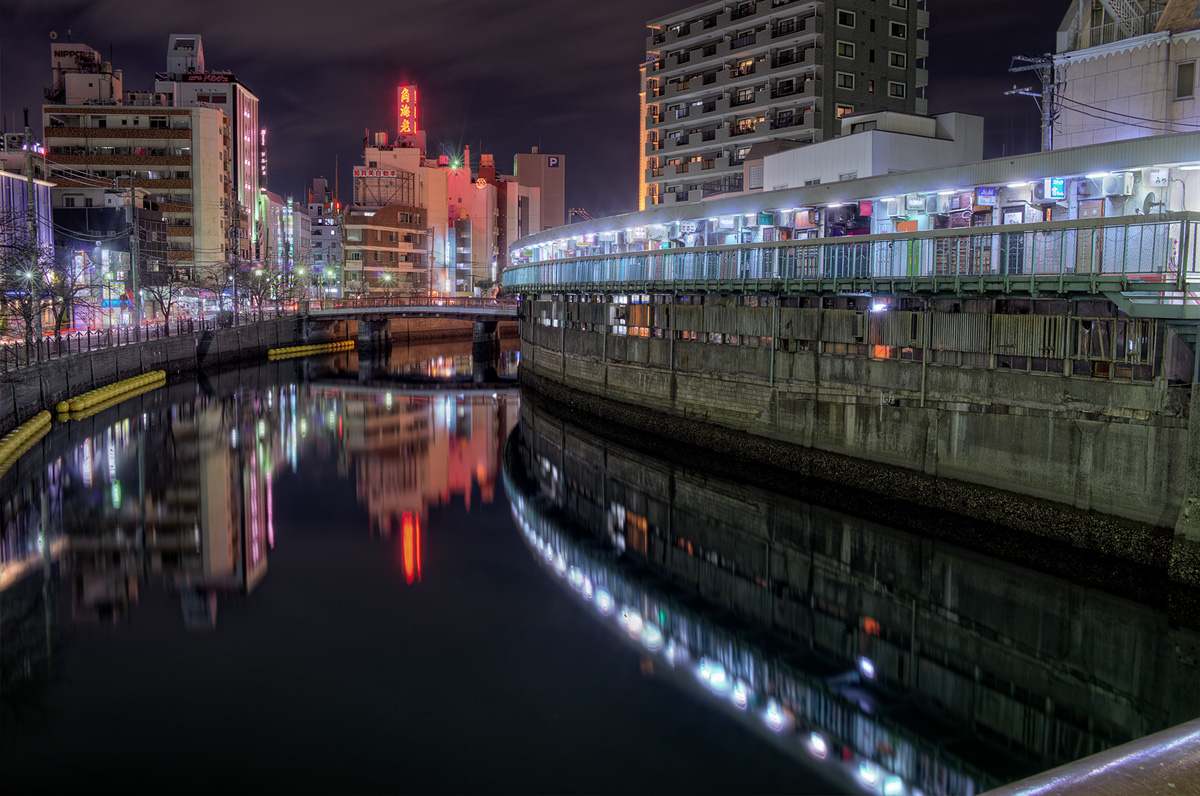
(1044, 66)
(133, 256)
(34, 277)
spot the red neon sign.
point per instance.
(407, 111)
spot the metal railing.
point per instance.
(1157, 256)
(446, 302)
(25, 354)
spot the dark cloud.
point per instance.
(498, 76)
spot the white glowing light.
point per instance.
(561, 565)
(878, 306)
(652, 637)
(1017, 184)
(587, 588)
(893, 786)
(1097, 175)
(945, 193)
(774, 715)
(575, 577)
(705, 669)
(867, 668)
(604, 601)
(867, 772)
(816, 745)
(632, 621)
(741, 694)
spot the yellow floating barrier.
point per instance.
(109, 392)
(307, 350)
(22, 438)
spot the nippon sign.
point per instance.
(363, 171)
(207, 77)
(406, 111)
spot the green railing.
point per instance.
(1092, 256)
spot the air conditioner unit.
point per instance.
(894, 209)
(1118, 184)
(1039, 192)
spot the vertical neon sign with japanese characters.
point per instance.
(407, 111)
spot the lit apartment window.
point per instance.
(899, 30)
(845, 49)
(898, 60)
(1185, 80)
(895, 89)
(899, 3)
(845, 80)
(844, 110)
(846, 19)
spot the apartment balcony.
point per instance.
(120, 160)
(675, 171)
(922, 77)
(52, 134)
(800, 29)
(922, 18)
(654, 174)
(180, 230)
(684, 32)
(655, 118)
(175, 255)
(799, 88)
(652, 147)
(673, 143)
(922, 48)
(742, 42)
(811, 57)
(174, 207)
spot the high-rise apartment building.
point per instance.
(98, 140)
(325, 213)
(187, 83)
(722, 76)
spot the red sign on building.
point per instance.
(407, 111)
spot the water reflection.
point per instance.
(175, 490)
(907, 665)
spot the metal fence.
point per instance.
(1154, 255)
(25, 354)
(464, 302)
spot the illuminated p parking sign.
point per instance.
(552, 161)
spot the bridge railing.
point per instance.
(426, 302)
(1155, 254)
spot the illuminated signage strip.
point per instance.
(407, 111)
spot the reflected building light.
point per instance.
(741, 696)
(652, 637)
(893, 786)
(86, 465)
(866, 667)
(817, 745)
(632, 621)
(270, 513)
(560, 565)
(112, 456)
(587, 588)
(773, 715)
(604, 601)
(868, 772)
(410, 528)
(575, 577)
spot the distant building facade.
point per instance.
(720, 77)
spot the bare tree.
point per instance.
(68, 291)
(25, 273)
(164, 287)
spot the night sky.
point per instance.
(500, 77)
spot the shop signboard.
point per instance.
(985, 197)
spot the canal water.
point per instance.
(401, 575)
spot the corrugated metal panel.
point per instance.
(899, 329)
(799, 324)
(842, 326)
(1030, 335)
(689, 319)
(962, 331)
(720, 320)
(754, 321)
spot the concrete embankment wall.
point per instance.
(26, 391)
(1095, 463)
